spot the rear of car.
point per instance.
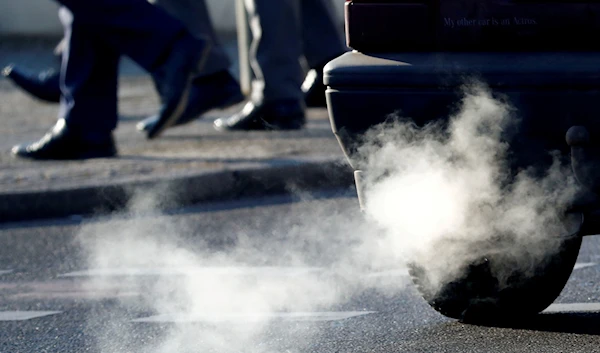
(411, 59)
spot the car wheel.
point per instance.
(477, 295)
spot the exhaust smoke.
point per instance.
(438, 195)
(229, 297)
(447, 197)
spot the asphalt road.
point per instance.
(279, 274)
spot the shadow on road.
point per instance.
(201, 207)
(579, 323)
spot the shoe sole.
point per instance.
(142, 127)
(265, 126)
(181, 104)
(280, 127)
(16, 153)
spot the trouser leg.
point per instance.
(89, 76)
(276, 49)
(322, 38)
(195, 16)
(135, 28)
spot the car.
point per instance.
(413, 59)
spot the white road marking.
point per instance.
(402, 272)
(89, 295)
(581, 265)
(253, 317)
(196, 270)
(5, 272)
(574, 307)
(24, 315)
(70, 289)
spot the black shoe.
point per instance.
(62, 143)
(174, 80)
(217, 91)
(279, 115)
(314, 89)
(45, 85)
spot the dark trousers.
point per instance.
(284, 33)
(196, 18)
(97, 33)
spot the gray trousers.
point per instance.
(286, 32)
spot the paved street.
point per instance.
(302, 273)
(143, 282)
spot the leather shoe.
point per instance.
(277, 115)
(174, 80)
(314, 89)
(44, 86)
(63, 143)
(217, 91)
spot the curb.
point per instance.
(177, 191)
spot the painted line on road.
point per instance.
(196, 270)
(573, 308)
(5, 272)
(401, 272)
(78, 295)
(253, 317)
(24, 315)
(70, 289)
(581, 265)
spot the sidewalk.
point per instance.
(187, 164)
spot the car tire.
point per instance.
(477, 297)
